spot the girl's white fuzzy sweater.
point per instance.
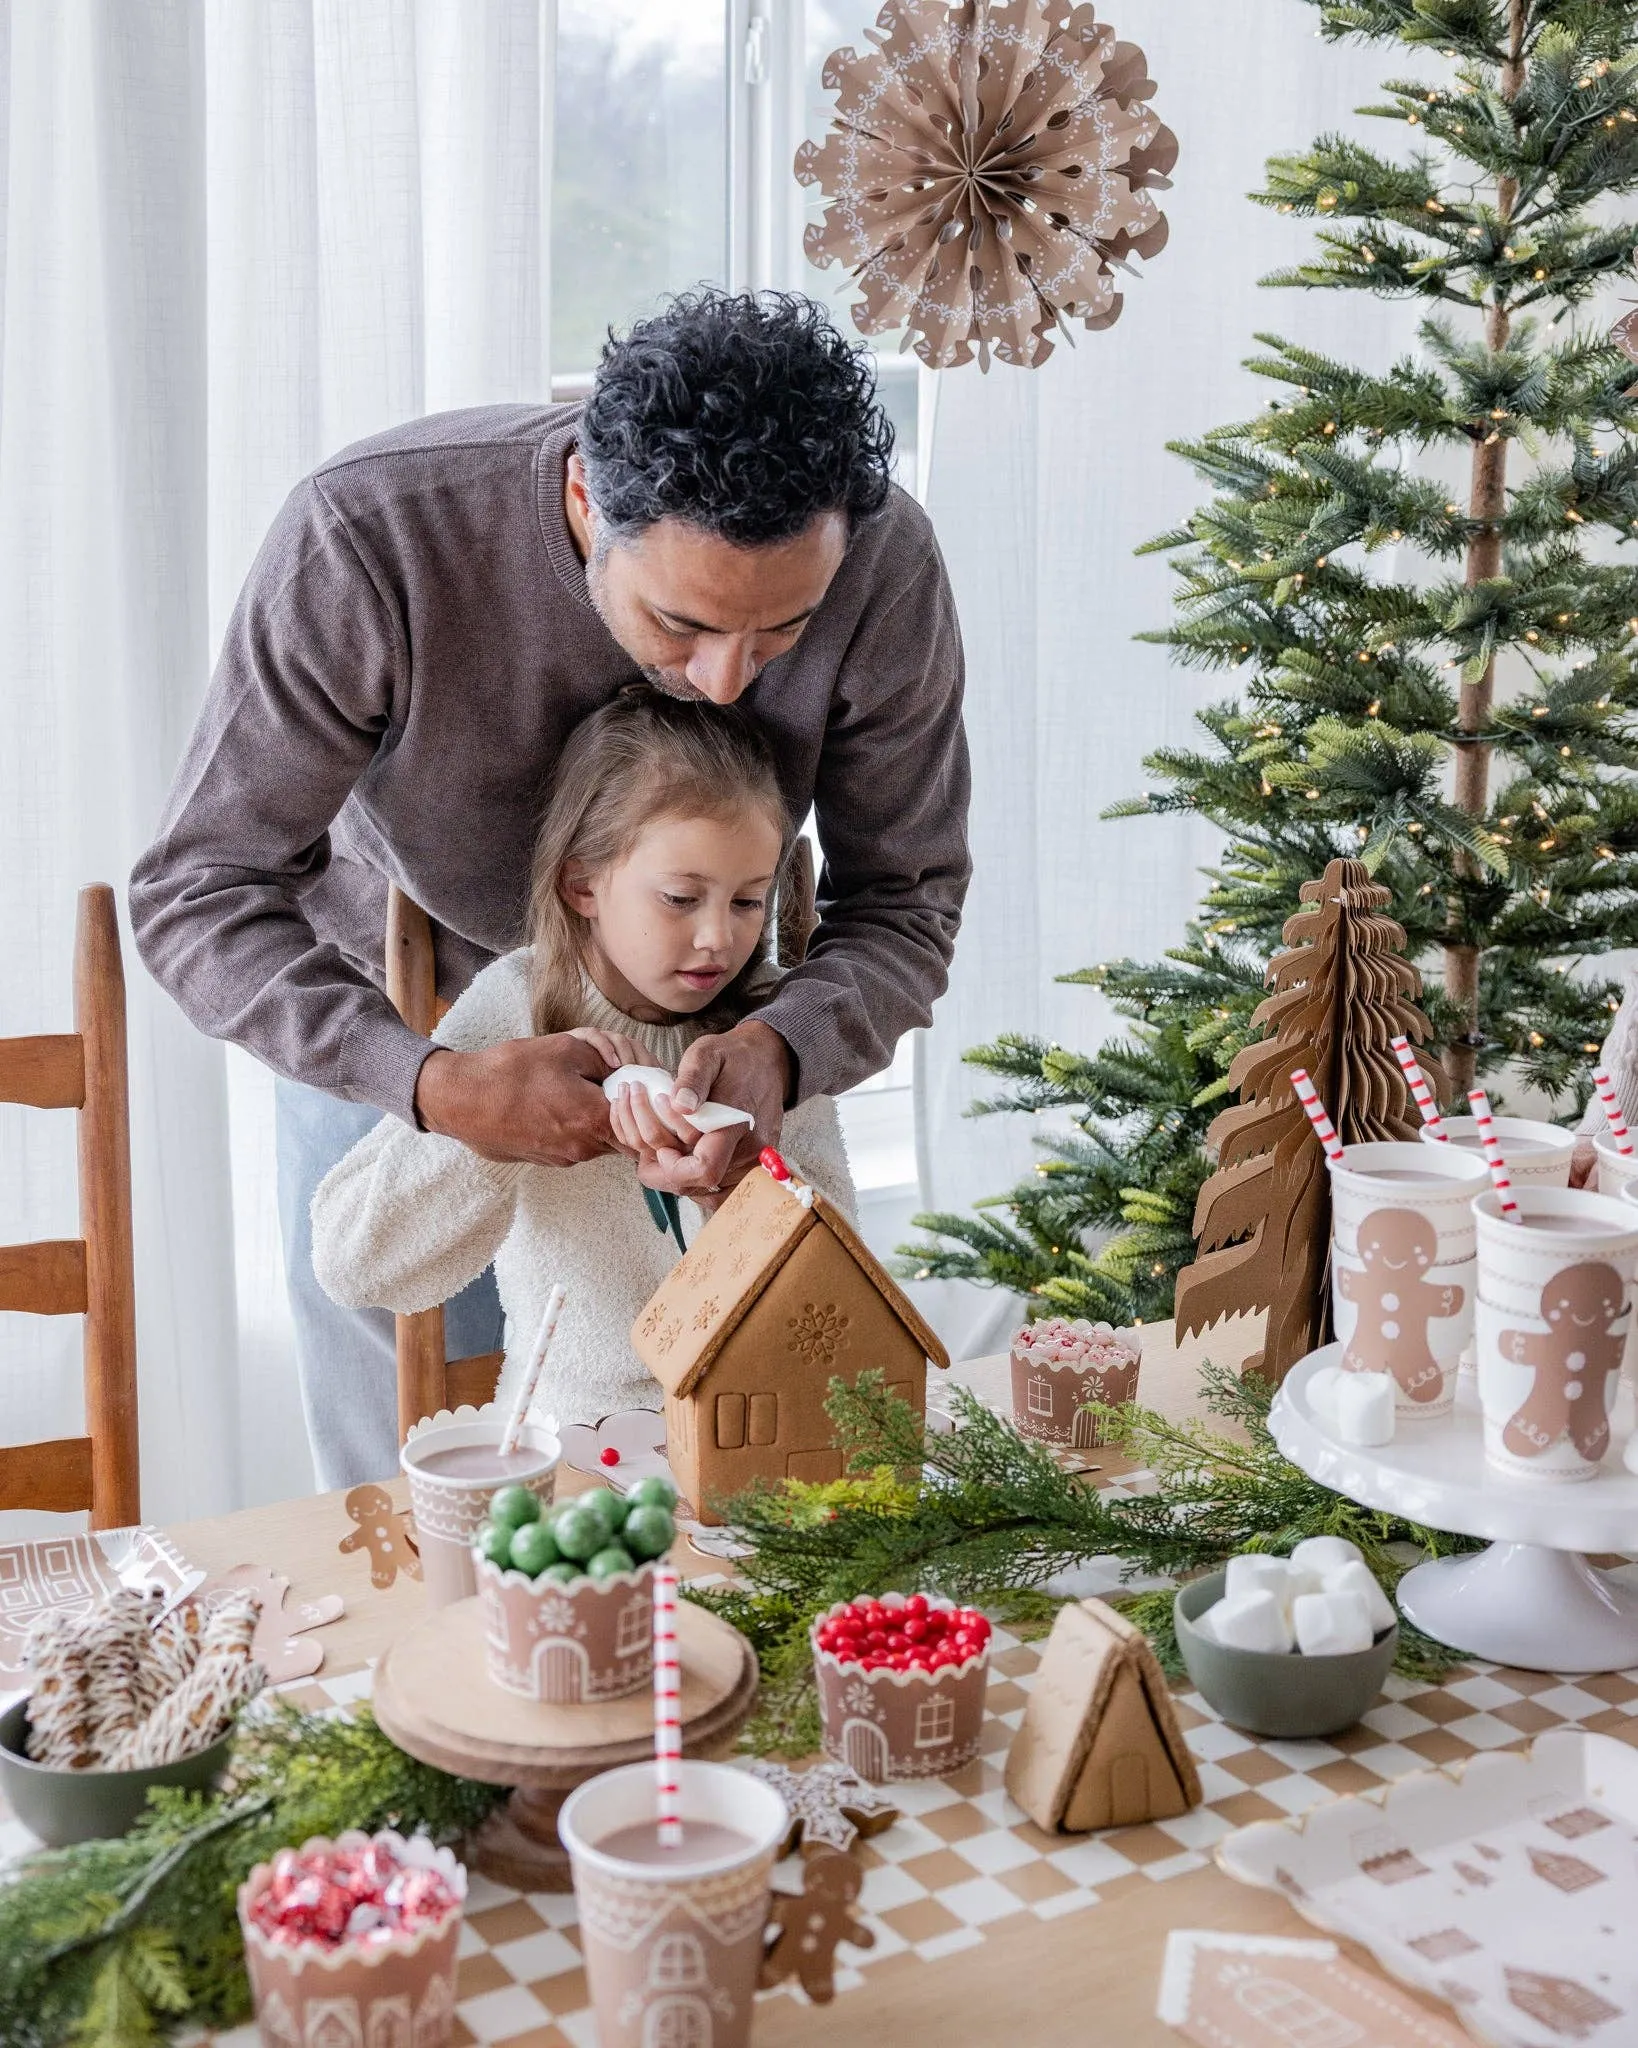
(407, 1218)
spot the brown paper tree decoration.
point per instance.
(1342, 992)
(988, 167)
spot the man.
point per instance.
(431, 613)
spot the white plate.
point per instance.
(1509, 1888)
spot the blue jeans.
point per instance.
(346, 1358)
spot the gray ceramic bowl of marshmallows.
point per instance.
(1284, 1695)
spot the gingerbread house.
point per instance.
(776, 1297)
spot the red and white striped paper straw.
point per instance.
(1421, 1093)
(1612, 1109)
(1324, 1129)
(1493, 1153)
(667, 1708)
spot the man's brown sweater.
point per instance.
(410, 651)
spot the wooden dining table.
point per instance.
(1043, 1975)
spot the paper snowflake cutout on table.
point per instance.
(828, 1803)
(987, 168)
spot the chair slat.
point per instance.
(44, 1279)
(43, 1073)
(471, 1382)
(50, 1478)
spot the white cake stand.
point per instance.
(1532, 1599)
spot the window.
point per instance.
(633, 1629)
(763, 1419)
(935, 1722)
(678, 1963)
(730, 1422)
(1040, 1395)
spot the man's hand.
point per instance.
(749, 1067)
(536, 1099)
(1583, 1163)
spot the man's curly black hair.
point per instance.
(746, 414)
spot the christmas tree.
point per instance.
(1367, 607)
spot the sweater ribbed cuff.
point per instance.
(381, 1060)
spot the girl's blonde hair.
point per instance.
(643, 757)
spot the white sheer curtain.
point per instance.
(1041, 483)
(234, 235)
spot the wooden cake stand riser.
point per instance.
(433, 1697)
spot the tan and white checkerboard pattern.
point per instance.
(963, 1860)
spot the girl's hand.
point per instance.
(649, 1130)
(618, 1050)
(1583, 1163)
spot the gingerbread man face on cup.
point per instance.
(1572, 1361)
(1396, 1302)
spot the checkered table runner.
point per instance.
(963, 1859)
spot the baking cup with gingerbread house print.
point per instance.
(1059, 1367)
(889, 1726)
(592, 1640)
(387, 1985)
(1555, 1305)
(1402, 1266)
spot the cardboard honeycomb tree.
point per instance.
(1342, 991)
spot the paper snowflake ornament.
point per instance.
(988, 167)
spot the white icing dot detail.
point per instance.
(1390, 1330)
(1572, 1390)
(1390, 1302)
(1576, 1361)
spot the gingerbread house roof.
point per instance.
(716, 1284)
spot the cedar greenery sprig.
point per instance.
(110, 1944)
(992, 1518)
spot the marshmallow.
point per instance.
(1254, 1572)
(1359, 1578)
(1323, 1554)
(1362, 1407)
(1331, 1624)
(1322, 1395)
(1253, 1621)
(656, 1081)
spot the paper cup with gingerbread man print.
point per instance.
(1402, 1272)
(1555, 1305)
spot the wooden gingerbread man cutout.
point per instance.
(381, 1531)
(1395, 1303)
(806, 1930)
(1572, 1360)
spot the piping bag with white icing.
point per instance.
(656, 1082)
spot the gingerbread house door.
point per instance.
(564, 1671)
(677, 2023)
(864, 1750)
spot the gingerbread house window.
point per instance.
(1294, 2017)
(730, 1422)
(1040, 1395)
(677, 1964)
(632, 1630)
(935, 1722)
(762, 1419)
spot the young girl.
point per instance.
(662, 841)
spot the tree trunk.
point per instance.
(1487, 503)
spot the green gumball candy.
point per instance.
(533, 1549)
(612, 1558)
(562, 1574)
(579, 1532)
(513, 1506)
(653, 1492)
(649, 1531)
(609, 1505)
(495, 1543)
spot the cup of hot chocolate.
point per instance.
(1402, 1280)
(455, 1467)
(1554, 1309)
(1537, 1155)
(1615, 1167)
(673, 1938)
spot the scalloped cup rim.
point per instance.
(348, 1951)
(897, 1677)
(486, 1567)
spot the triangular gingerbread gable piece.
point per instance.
(1100, 1745)
(718, 1281)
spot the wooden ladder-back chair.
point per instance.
(428, 1379)
(93, 1274)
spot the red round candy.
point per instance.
(608, 1455)
(916, 1604)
